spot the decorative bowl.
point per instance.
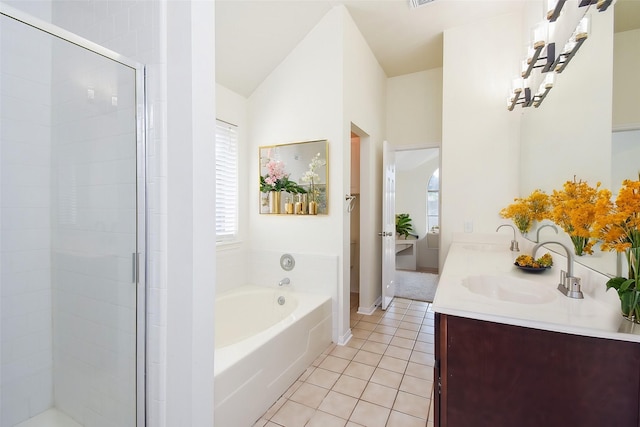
(529, 269)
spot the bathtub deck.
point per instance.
(382, 378)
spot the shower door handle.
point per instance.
(136, 266)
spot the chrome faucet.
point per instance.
(284, 281)
(543, 226)
(569, 284)
(514, 243)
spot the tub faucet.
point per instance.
(284, 281)
(514, 243)
(543, 226)
(569, 285)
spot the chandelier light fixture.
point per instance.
(578, 37)
(555, 7)
(564, 27)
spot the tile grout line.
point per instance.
(404, 373)
(424, 308)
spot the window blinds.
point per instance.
(226, 181)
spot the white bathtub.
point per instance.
(262, 347)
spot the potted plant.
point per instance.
(403, 225)
(275, 181)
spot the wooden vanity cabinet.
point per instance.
(496, 375)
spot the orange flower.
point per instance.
(524, 211)
(538, 202)
(618, 224)
(574, 209)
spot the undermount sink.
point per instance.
(512, 289)
(484, 247)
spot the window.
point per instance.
(226, 181)
(433, 201)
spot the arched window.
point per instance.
(433, 201)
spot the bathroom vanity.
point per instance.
(511, 350)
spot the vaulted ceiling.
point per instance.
(254, 36)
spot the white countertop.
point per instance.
(597, 315)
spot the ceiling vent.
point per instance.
(418, 3)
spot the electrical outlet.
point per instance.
(468, 226)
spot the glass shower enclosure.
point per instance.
(72, 229)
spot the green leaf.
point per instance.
(615, 283)
(626, 285)
(403, 224)
(628, 301)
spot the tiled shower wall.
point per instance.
(25, 267)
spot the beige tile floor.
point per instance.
(382, 378)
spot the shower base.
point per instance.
(50, 418)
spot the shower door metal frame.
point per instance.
(140, 256)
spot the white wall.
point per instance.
(414, 109)
(576, 113)
(626, 92)
(190, 212)
(364, 101)
(301, 101)
(328, 81)
(25, 216)
(625, 155)
(480, 148)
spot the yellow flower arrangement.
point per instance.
(618, 226)
(574, 209)
(526, 210)
(545, 261)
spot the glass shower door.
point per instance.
(70, 290)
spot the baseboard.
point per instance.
(378, 302)
(344, 339)
(370, 310)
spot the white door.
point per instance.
(388, 233)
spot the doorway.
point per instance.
(354, 225)
(364, 222)
(418, 195)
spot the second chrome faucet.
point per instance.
(514, 243)
(569, 284)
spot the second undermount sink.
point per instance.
(484, 247)
(512, 289)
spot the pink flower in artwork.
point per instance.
(275, 172)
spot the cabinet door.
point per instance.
(501, 375)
